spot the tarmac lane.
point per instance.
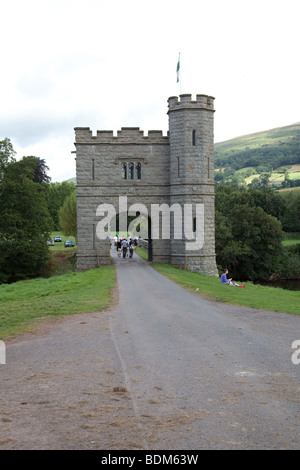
(162, 369)
(201, 374)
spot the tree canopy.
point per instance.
(68, 216)
(55, 197)
(248, 239)
(7, 154)
(25, 223)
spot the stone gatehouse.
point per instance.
(151, 170)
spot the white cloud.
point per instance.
(104, 65)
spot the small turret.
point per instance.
(191, 139)
(191, 136)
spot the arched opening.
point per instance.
(139, 230)
(138, 171)
(124, 171)
(130, 171)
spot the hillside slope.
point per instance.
(272, 148)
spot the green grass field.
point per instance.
(61, 258)
(294, 241)
(24, 304)
(293, 171)
(291, 239)
(142, 252)
(60, 246)
(254, 295)
(285, 190)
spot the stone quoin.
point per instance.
(153, 169)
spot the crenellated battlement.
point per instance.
(132, 135)
(151, 170)
(202, 102)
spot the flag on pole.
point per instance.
(178, 69)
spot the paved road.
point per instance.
(164, 369)
(202, 374)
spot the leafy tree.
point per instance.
(262, 169)
(252, 243)
(289, 265)
(282, 169)
(55, 197)
(265, 177)
(248, 172)
(7, 154)
(255, 183)
(24, 224)
(291, 216)
(227, 249)
(40, 171)
(68, 216)
(286, 176)
(265, 197)
(219, 176)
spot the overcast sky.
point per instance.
(112, 64)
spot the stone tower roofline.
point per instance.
(202, 102)
(84, 135)
(169, 171)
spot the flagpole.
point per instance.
(179, 73)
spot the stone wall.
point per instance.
(143, 243)
(175, 169)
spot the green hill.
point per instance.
(251, 155)
(71, 180)
(272, 149)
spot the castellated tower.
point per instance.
(174, 171)
(191, 127)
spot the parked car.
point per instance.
(50, 242)
(69, 243)
(57, 239)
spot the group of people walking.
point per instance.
(125, 246)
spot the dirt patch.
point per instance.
(62, 389)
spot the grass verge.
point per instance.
(295, 241)
(60, 246)
(25, 304)
(62, 259)
(253, 296)
(142, 252)
(291, 239)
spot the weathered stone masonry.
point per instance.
(178, 168)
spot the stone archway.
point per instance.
(153, 171)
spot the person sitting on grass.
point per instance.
(229, 282)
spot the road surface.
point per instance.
(163, 369)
